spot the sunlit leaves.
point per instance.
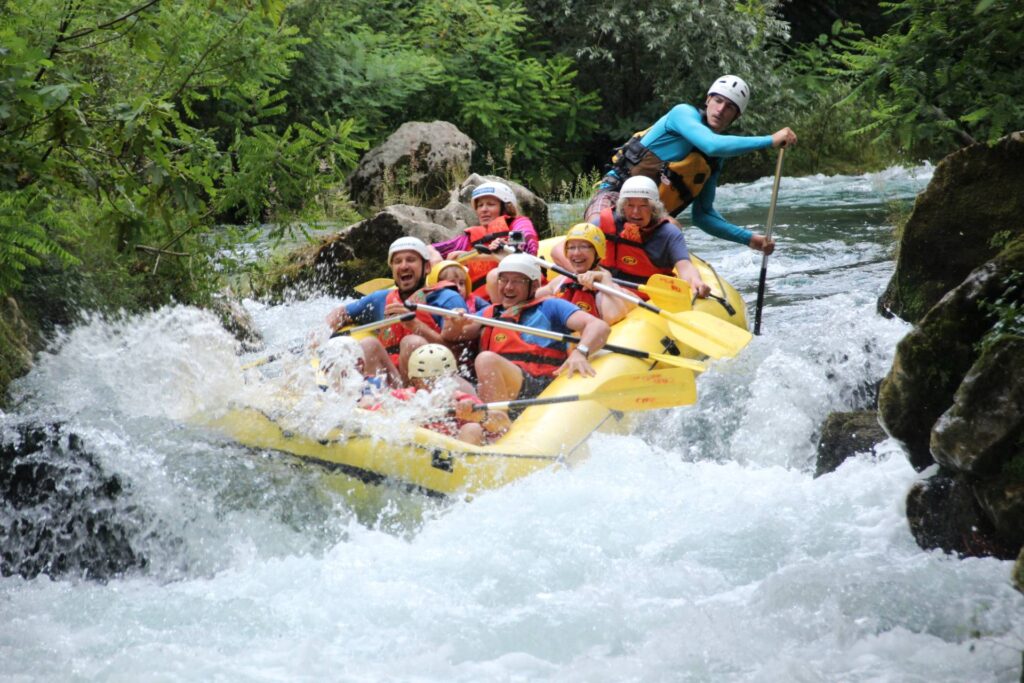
(944, 76)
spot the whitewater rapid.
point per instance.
(697, 548)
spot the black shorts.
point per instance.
(532, 386)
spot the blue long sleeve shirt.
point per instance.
(675, 135)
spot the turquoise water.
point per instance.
(698, 548)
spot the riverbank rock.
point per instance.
(61, 515)
(357, 253)
(944, 514)
(419, 160)
(15, 345)
(954, 396)
(932, 360)
(844, 435)
(963, 218)
(236, 320)
(339, 262)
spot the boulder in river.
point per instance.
(60, 514)
(418, 160)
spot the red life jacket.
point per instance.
(625, 257)
(391, 336)
(575, 293)
(479, 267)
(533, 359)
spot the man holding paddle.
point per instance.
(683, 153)
(513, 364)
(388, 352)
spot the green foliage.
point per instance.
(24, 243)
(943, 76)
(455, 60)
(645, 57)
(829, 123)
(1007, 312)
(149, 120)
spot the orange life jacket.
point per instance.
(624, 256)
(575, 293)
(391, 336)
(533, 359)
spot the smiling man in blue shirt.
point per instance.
(387, 353)
(683, 153)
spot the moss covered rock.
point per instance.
(16, 344)
(970, 209)
(932, 360)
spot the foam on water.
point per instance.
(697, 548)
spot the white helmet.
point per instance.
(408, 243)
(639, 187)
(430, 361)
(502, 191)
(734, 88)
(520, 263)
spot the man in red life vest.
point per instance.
(642, 240)
(514, 365)
(388, 352)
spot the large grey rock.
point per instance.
(419, 161)
(932, 360)
(980, 431)
(972, 204)
(844, 435)
(339, 262)
(944, 514)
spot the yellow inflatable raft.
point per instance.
(542, 436)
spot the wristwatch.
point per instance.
(584, 349)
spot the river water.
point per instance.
(698, 548)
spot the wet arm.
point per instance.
(685, 121)
(710, 221)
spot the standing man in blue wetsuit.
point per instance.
(388, 352)
(683, 153)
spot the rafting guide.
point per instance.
(683, 154)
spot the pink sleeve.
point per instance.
(525, 226)
(458, 243)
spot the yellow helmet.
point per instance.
(431, 361)
(588, 233)
(435, 272)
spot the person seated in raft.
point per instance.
(511, 365)
(457, 275)
(388, 352)
(584, 248)
(428, 365)
(683, 153)
(495, 206)
(641, 239)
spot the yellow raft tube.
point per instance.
(542, 436)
